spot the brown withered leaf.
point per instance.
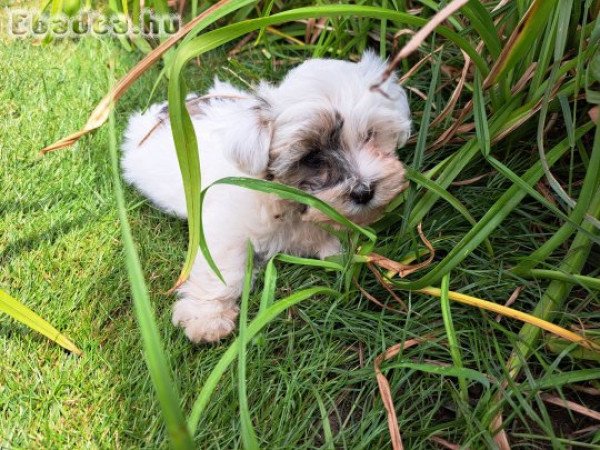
(385, 392)
(402, 270)
(419, 37)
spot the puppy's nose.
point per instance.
(362, 194)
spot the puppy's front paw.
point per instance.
(329, 248)
(205, 320)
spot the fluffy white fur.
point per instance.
(268, 134)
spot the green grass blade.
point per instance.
(259, 322)
(268, 293)
(492, 219)
(227, 8)
(425, 120)
(269, 285)
(324, 264)
(461, 372)
(451, 335)
(452, 200)
(588, 282)
(382, 34)
(422, 137)
(556, 293)
(285, 192)
(186, 144)
(291, 193)
(267, 8)
(589, 190)
(481, 122)
(26, 316)
(327, 433)
(154, 354)
(521, 40)
(249, 439)
(544, 58)
(288, 193)
(560, 379)
(187, 154)
(482, 22)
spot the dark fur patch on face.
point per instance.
(317, 159)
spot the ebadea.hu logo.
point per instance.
(31, 23)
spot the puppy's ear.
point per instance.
(245, 127)
(398, 95)
(373, 67)
(248, 138)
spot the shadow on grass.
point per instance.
(48, 236)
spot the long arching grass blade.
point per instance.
(269, 187)
(451, 334)
(291, 193)
(157, 362)
(248, 434)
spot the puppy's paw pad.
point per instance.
(200, 330)
(204, 321)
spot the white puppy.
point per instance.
(322, 130)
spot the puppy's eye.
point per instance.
(311, 160)
(370, 135)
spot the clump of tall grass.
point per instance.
(503, 70)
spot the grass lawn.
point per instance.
(311, 373)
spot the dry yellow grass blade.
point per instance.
(385, 392)
(100, 114)
(399, 268)
(501, 437)
(26, 316)
(444, 443)
(420, 36)
(449, 108)
(382, 282)
(373, 299)
(415, 68)
(514, 314)
(572, 406)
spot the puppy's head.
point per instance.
(327, 133)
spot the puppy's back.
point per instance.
(149, 161)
